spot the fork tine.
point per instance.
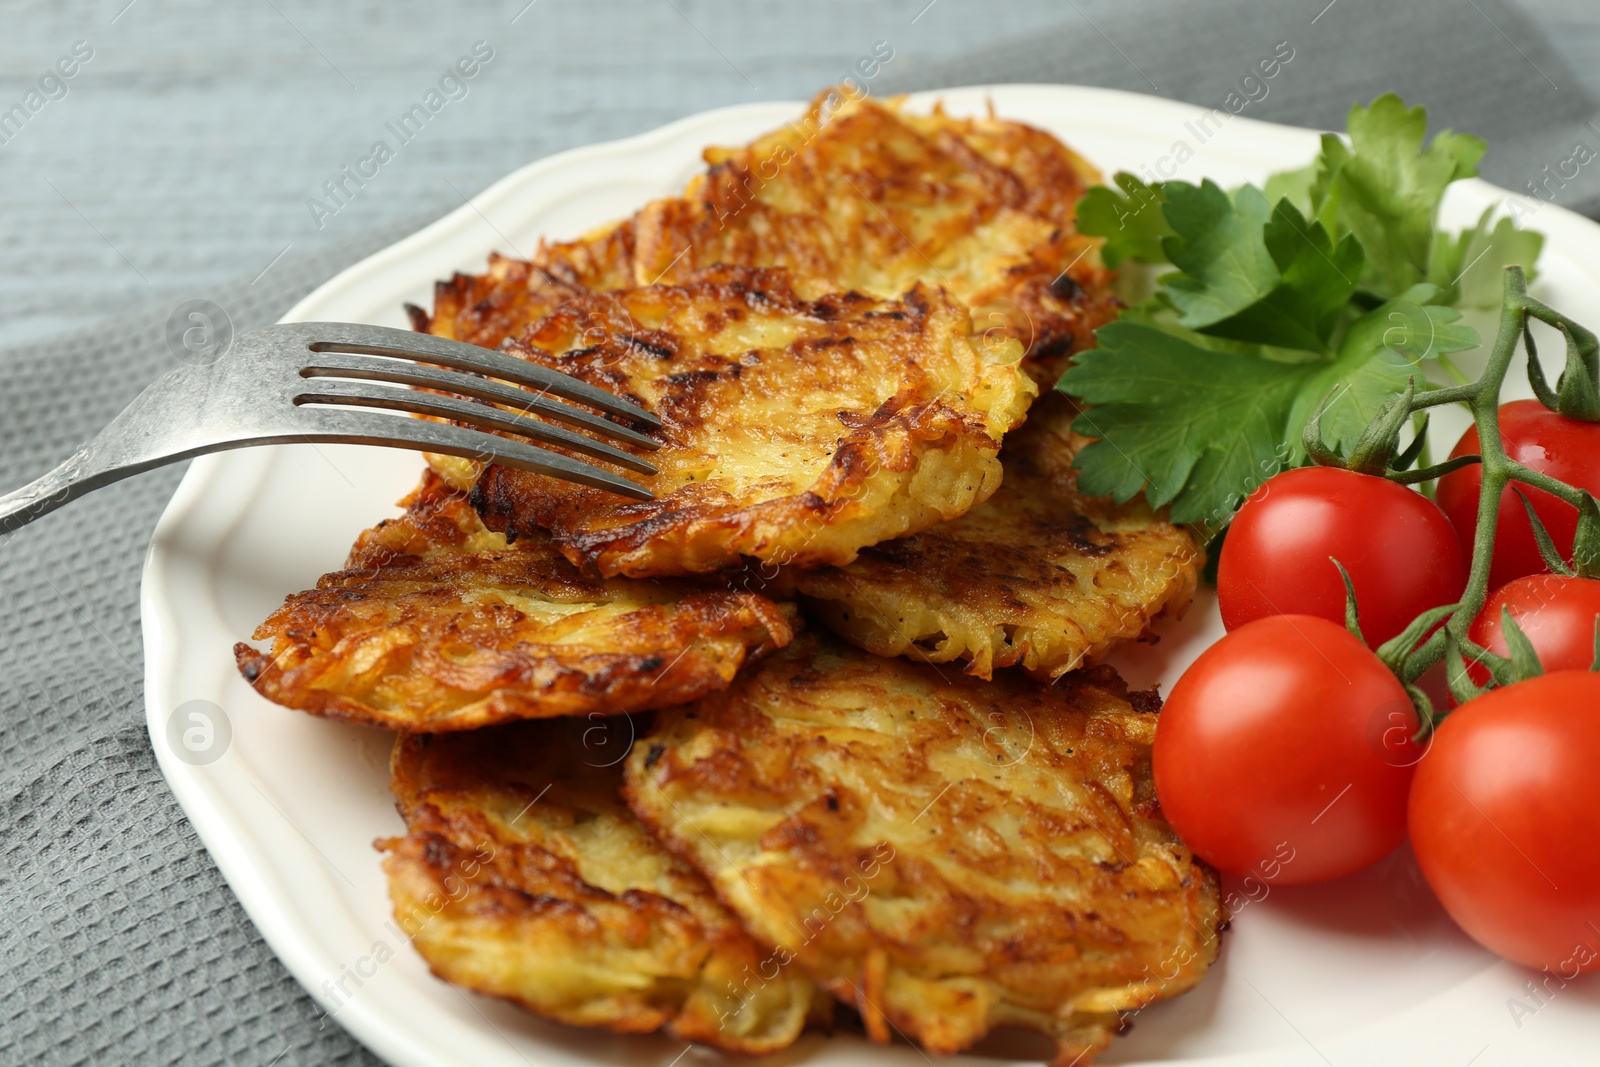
(351, 426)
(457, 355)
(385, 369)
(400, 398)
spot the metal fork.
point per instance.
(281, 385)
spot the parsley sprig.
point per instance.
(1331, 283)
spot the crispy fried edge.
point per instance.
(829, 592)
(1080, 1033)
(607, 682)
(881, 469)
(442, 848)
(709, 634)
(1053, 310)
(1052, 300)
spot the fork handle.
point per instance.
(43, 495)
(120, 450)
(80, 474)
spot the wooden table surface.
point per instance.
(183, 153)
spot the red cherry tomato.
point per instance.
(1285, 751)
(1541, 440)
(1399, 548)
(1557, 614)
(1505, 820)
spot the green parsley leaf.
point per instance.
(1132, 224)
(1317, 280)
(1379, 353)
(1188, 425)
(1251, 273)
(1470, 266)
(1200, 428)
(1200, 392)
(1216, 244)
(1156, 310)
(1385, 188)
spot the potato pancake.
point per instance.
(946, 854)
(793, 431)
(1036, 576)
(522, 875)
(854, 194)
(437, 624)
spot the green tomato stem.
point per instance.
(1450, 394)
(1482, 397)
(1540, 480)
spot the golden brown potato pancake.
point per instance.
(1037, 576)
(946, 854)
(854, 194)
(438, 624)
(793, 431)
(522, 875)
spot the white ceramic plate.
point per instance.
(1365, 971)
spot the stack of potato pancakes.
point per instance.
(811, 737)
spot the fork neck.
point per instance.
(137, 440)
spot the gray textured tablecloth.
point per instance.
(119, 941)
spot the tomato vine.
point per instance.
(1426, 643)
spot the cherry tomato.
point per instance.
(1505, 820)
(1399, 548)
(1541, 440)
(1557, 614)
(1286, 751)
